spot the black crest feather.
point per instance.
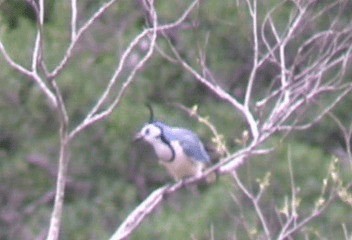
(151, 117)
(163, 138)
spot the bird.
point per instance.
(179, 150)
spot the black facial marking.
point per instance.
(167, 142)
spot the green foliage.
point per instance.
(214, 212)
(187, 215)
(13, 10)
(108, 176)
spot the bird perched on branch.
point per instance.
(179, 150)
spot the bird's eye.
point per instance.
(147, 131)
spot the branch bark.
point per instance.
(295, 91)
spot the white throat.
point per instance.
(162, 150)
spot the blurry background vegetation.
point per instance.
(108, 176)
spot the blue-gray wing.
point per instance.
(191, 144)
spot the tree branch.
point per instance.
(93, 116)
(75, 37)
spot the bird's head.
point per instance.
(150, 133)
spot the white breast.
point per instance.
(162, 151)
(182, 166)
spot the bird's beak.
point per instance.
(137, 137)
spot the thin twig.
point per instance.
(255, 201)
(78, 35)
(93, 116)
(253, 12)
(73, 20)
(31, 75)
(222, 94)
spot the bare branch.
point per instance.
(93, 116)
(255, 201)
(155, 198)
(345, 232)
(288, 231)
(51, 96)
(37, 51)
(306, 66)
(253, 13)
(56, 216)
(13, 64)
(73, 20)
(135, 218)
(221, 94)
(326, 111)
(78, 35)
(64, 157)
(347, 135)
(36, 57)
(149, 204)
(294, 222)
(217, 137)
